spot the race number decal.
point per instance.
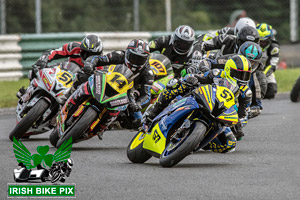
(118, 82)
(65, 78)
(158, 68)
(225, 96)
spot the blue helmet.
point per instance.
(253, 52)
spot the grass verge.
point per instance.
(285, 79)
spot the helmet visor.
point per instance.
(240, 75)
(136, 59)
(85, 54)
(182, 46)
(264, 43)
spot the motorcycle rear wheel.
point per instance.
(135, 151)
(54, 137)
(28, 120)
(79, 126)
(295, 93)
(176, 153)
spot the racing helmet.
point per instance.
(245, 21)
(182, 39)
(252, 52)
(238, 69)
(247, 33)
(91, 45)
(265, 32)
(137, 55)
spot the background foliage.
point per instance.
(117, 15)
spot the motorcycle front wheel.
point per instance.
(295, 93)
(28, 120)
(54, 137)
(78, 127)
(177, 149)
(135, 151)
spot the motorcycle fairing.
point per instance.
(157, 67)
(220, 96)
(206, 96)
(155, 141)
(110, 89)
(229, 117)
(181, 103)
(159, 85)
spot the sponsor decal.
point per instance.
(118, 102)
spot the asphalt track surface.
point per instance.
(265, 165)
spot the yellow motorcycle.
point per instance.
(185, 126)
(109, 97)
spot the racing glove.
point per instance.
(190, 80)
(134, 107)
(41, 62)
(88, 68)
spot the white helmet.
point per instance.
(246, 21)
(182, 39)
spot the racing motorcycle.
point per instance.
(185, 126)
(162, 70)
(295, 93)
(38, 107)
(109, 94)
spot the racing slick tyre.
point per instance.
(54, 137)
(135, 151)
(78, 127)
(295, 93)
(28, 120)
(177, 149)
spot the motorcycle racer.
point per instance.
(245, 21)
(236, 75)
(76, 52)
(136, 59)
(229, 44)
(257, 83)
(271, 48)
(178, 47)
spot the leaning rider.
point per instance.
(235, 76)
(76, 52)
(178, 47)
(271, 48)
(136, 58)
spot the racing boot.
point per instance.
(254, 111)
(106, 120)
(225, 142)
(238, 131)
(150, 114)
(21, 92)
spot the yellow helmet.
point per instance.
(238, 70)
(265, 32)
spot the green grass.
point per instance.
(285, 80)
(8, 90)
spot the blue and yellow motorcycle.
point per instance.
(185, 126)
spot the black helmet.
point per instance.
(183, 39)
(91, 45)
(136, 55)
(252, 52)
(247, 33)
